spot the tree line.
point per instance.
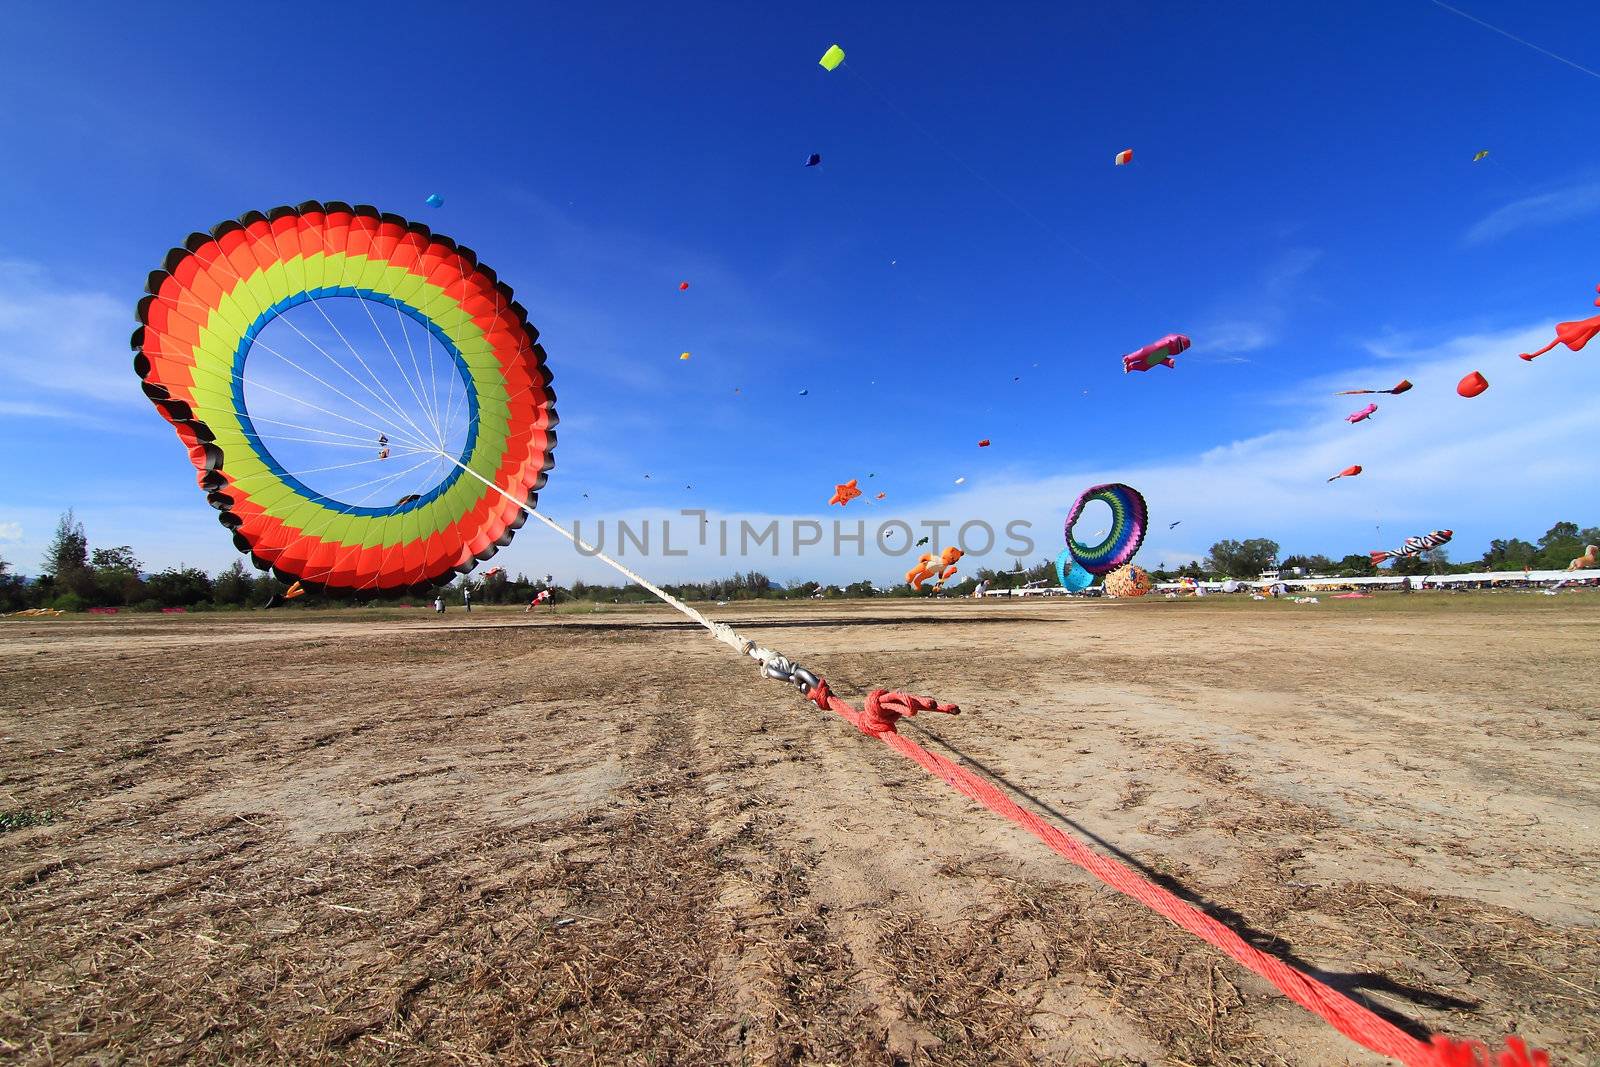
(76, 578)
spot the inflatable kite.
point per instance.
(1481, 154)
(1124, 157)
(1071, 575)
(937, 569)
(813, 159)
(682, 286)
(833, 57)
(1128, 518)
(1396, 391)
(1363, 415)
(983, 443)
(1588, 561)
(1472, 385)
(843, 494)
(1349, 472)
(434, 200)
(683, 356)
(216, 352)
(1156, 354)
(294, 591)
(1412, 546)
(1128, 582)
(1572, 334)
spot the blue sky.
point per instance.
(1302, 203)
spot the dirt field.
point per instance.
(599, 838)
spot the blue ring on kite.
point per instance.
(247, 343)
(1070, 573)
(1129, 517)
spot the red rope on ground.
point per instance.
(884, 709)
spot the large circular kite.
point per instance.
(1129, 517)
(360, 396)
(1070, 573)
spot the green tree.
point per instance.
(1433, 561)
(1246, 559)
(234, 586)
(116, 575)
(1355, 565)
(1511, 554)
(180, 587)
(1561, 544)
(66, 559)
(13, 590)
(1310, 564)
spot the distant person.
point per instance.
(466, 598)
(438, 605)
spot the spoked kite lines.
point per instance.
(391, 403)
(343, 267)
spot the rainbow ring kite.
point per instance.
(203, 320)
(1129, 517)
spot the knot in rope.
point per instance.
(884, 709)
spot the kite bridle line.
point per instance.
(774, 665)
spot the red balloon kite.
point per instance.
(1472, 385)
(1349, 472)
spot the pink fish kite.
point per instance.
(1156, 354)
(1363, 415)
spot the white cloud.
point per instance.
(36, 411)
(1270, 301)
(1240, 336)
(10, 532)
(1546, 209)
(1509, 462)
(56, 341)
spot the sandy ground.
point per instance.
(599, 838)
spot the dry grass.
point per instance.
(614, 848)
